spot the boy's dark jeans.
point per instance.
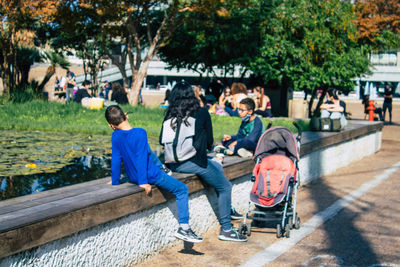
(180, 191)
(246, 144)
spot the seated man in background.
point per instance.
(82, 92)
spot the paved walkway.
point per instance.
(349, 218)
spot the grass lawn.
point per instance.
(73, 118)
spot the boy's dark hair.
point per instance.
(249, 103)
(86, 82)
(115, 115)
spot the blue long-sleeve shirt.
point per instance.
(132, 148)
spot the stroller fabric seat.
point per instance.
(272, 174)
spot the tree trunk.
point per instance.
(137, 81)
(310, 104)
(49, 73)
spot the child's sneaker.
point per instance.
(244, 153)
(219, 149)
(223, 150)
(231, 235)
(235, 215)
(188, 235)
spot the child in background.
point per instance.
(130, 145)
(245, 141)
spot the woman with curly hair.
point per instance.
(119, 94)
(183, 104)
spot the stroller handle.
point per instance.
(298, 128)
(269, 124)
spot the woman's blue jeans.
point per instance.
(214, 176)
(181, 192)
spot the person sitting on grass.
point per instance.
(131, 146)
(82, 92)
(245, 141)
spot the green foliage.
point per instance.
(24, 93)
(207, 40)
(311, 45)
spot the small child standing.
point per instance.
(131, 146)
(245, 141)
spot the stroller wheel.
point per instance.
(287, 231)
(297, 224)
(242, 229)
(290, 222)
(248, 229)
(278, 231)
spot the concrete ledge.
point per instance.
(107, 220)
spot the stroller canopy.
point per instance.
(277, 140)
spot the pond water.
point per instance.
(32, 162)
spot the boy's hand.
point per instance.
(226, 137)
(233, 144)
(109, 182)
(146, 187)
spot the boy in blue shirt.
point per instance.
(130, 145)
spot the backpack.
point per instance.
(178, 145)
(325, 124)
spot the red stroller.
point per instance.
(275, 179)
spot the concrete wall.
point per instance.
(133, 238)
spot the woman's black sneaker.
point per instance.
(231, 235)
(188, 236)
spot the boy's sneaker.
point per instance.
(231, 235)
(220, 149)
(244, 153)
(166, 170)
(188, 236)
(235, 215)
(223, 150)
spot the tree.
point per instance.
(16, 18)
(310, 45)
(55, 59)
(224, 38)
(139, 28)
(378, 23)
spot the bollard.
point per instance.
(371, 110)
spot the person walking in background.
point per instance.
(183, 105)
(263, 103)
(131, 146)
(387, 103)
(119, 94)
(71, 83)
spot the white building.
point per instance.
(385, 70)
